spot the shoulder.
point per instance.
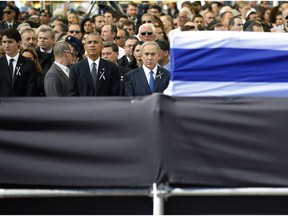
(80, 64)
(134, 71)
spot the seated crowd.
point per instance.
(108, 54)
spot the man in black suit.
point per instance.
(17, 75)
(94, 76)
(56, 79)
(150, 77)
(110, 52)
(9, 18)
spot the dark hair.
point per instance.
(157, 7)
(113, 46)
(111, 12)
(83, 23)
(64, 27)
(12, 34)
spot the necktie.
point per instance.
(151, 82)
(11, 66)
(94, 75)
(10, 26)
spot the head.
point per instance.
(199, 20)
(236, 24)
(29, 39)
(137, 52)
(76, 46)
(129, 43)
(73, 18)
(110, 52)
(132, 10)
(63, 53)
(9, 13)
(164, 51)
(208, 17)
(23, 26)
(155, 10)
(184, 16)
(32, 55)
(129, 26)
(45, 17)
(120, 21)
(11, 42)
(45, 37)
(167, 22)
(225, 18)
(147, 18)
(93, 46)
(147, 32)
(59, 29)
(99, 22)
(253, 26)
(74, 29)
(108, 33)
(121, 37)
(189, 26)
(110, 17)
(150, 54)
(86, 26)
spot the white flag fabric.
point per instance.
(212, 63)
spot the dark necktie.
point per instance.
(151, 82)
(94, 75)
(10, 26)
(11, 66)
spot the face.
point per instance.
(159, 33)
(267, 15)
(93, 46)
(132, 11)
(106, 33)
(29, 40)
(72, 18)
(44, 18)
(109, 54)
(146, 19)
(130, 29)
(244, 10)
(258, 29)
(9, 15)
(88, 27)
(215, 8)
(57, 29)
(279, 20)
(99, 22)
(120, 22)
(45, 40)
(74, 30)
(182, 18)
(72, 58)
(199, 21)
(146, 34)
(10, 46)
(209, 17)
(120, 38)
(129, 47)
(238, 26)
(155, 12)
(137, 53)
(253, 17)
(28, 55)
(109, 20)
(226, 19)
(150, 56)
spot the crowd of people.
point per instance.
(107, 54)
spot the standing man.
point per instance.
(9, 20)
(29, 39)
(18, 75)
(56, 80)
(150, 77)
(94, 76)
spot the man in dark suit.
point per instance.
(9, 20)
(56, 79)
(110, 52)
(17, 75)
(150, 77)
(46, 40)
(94, 76)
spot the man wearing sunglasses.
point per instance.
(147, 32)
(75, 30)
(9, 20)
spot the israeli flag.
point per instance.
(216, 63)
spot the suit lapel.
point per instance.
(17, 71)
(158, 78)
(62, 74)
(142, 77)
(6, 69)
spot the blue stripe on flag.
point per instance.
(229, 64)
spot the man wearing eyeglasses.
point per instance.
(75, 30)
(57, 78)
(9, 18)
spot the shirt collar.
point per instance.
(64, 68)
(49, 51)
(15, 58)
(90, 62)
(147, 70)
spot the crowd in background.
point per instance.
(108, 53)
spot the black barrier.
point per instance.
(124, 142)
